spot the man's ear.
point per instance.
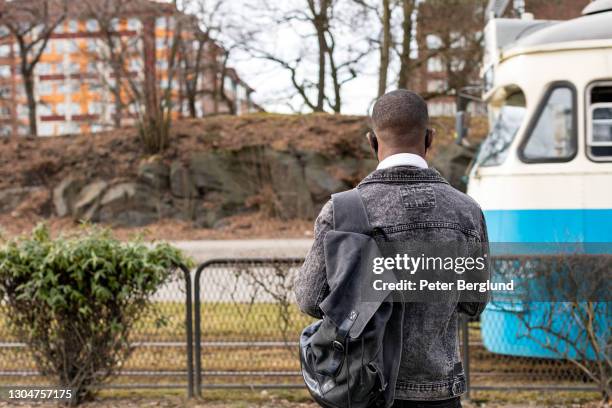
(373, 140)
(429, 135)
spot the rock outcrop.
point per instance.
(207, 188)
(285, 166)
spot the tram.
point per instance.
(544, 172)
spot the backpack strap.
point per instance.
(350, 213)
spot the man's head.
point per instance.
(399, 120)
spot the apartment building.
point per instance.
(81, 86)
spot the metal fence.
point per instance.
(161, 357)
(247, 324)
(491, 370)
(245, 331)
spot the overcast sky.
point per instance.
(273, 83)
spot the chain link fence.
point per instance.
(505, 354)
(245, 331)
(160, 357)
(247, 324)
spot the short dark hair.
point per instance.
(400, 113)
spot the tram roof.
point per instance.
(592, 26)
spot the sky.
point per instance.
(271, 82)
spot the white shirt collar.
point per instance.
(402, 159)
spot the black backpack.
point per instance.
(351, 357)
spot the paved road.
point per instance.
(205, 250)
(222, 285)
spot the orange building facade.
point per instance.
(77, 92)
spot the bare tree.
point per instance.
(31, 24)
(193, 52)
(131, 60)
(112, 49)
(405, 53)
(562, 304)
(383, 10)
(460, 44)
(318, 81)
(385, 47)
(200, 54)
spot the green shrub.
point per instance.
(73, 300)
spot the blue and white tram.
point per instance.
(544, 173)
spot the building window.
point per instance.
(162, 63)
(553, 134)
(133, 24)
(457, 64)
(135, 65)
(61, 109)
(441, 108)
(74, 67)
(92, 25)
(5, 92)
(22, 112)
(44, 109)
(69, 128)
(5, 50)
(5, 71)
(58, 45)
(43, 68)
(91, 67)
(92, 46)
(71, 47)
(434, 64)
(457, 40)
(44, 88)
(94, 108)
(433, 42)
(64, 88)
(46, 129)
(436, 85)
(73, 26)
(74, 108)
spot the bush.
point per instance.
(74, 300)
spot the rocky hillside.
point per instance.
(281, 166)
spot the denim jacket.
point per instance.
(408, 203)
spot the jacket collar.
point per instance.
(403, 174)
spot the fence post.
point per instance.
(188, 329)
(198, 329)
(465, 340)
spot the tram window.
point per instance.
(494, 150)
(553, 137)
(599, 134)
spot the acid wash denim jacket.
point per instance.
(407, 203)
